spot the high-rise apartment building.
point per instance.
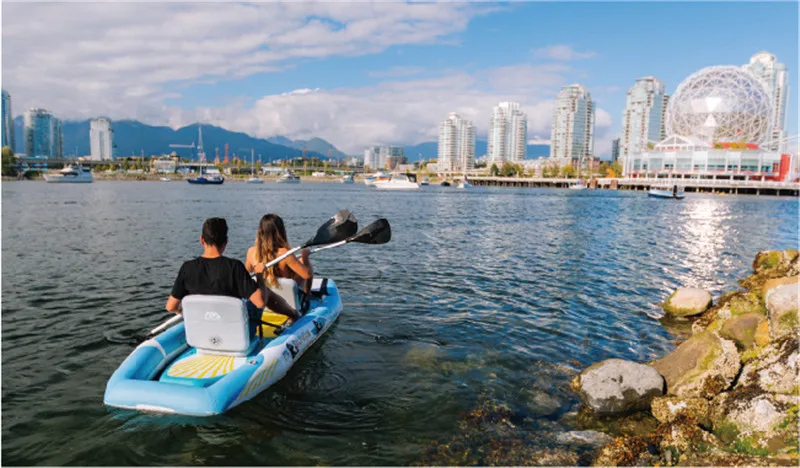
(508, 134)
(774, 75)
(643, 122)
(572, 136)
(456, 144)
(8, 122)
(101, 139)
(42, 134)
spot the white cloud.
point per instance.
(125, 59)
(562, 52)
(129, 60)
(539, 141)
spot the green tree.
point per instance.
(568, 171)
(494, 171)
(603, 168)
(9, 162)
(616, 167)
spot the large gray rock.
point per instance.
(686, 302)
(616, 385)
(783, 310)
(702, 366)
(775, 369)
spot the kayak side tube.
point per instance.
(132, 386)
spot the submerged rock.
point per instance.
(624, 451)
(616, 385)
(775, 369)
(686, 302)
(584, 438)
(783, 310)
(667, 409)
(702, 366)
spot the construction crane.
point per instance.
(192, 147)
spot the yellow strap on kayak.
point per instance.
(271, 317)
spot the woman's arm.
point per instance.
(250, 262)
(300, 268)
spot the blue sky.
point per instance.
(360, 74)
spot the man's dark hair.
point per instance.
(215, 232)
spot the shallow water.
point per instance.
(488, 293)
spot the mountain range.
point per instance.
(132, 138)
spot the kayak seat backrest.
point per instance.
(288, 290)
(216, 324)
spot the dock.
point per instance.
(726, 186)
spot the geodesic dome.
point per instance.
(721, 104)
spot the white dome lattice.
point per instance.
(721, 104)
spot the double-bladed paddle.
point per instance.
(378, 232)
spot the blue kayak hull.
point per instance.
(165, 375)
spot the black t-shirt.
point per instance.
(219, 276)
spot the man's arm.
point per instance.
(174, 305)
(274, 303)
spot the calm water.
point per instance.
(490, 293)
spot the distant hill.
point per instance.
(429, 150)
(317, 145)
(132, 137)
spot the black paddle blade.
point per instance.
(379, 232)
(340, 227)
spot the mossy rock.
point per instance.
(769, 265)
(741, 329)
(729, 305)
(687, 302)
(667, 409)
(701, 366)
(623, 451)
(775, 369)
(782, 305)
(750, 420)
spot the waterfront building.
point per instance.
(643, 123)
(615, 149)
(572, 135)
(384, 157)
(101, 139)
(719, 125)
(456, 151)
(508, 134)
(42, 133)
(774, 76)
(162, 164)
(8, 122)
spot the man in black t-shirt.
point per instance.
(216, 275)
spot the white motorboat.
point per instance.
(254, 180)
(348, 179)
(425, 181)
(397, 182)
(579, 185)
(378, 176)
(288, 177)
(666, 191)
(165, 179)
(463, 183)
(72, 174)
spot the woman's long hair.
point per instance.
(270, 237)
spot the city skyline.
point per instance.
(507, 137)
(319, 74)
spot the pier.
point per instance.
(748, 187)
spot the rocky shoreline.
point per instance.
(728, 395)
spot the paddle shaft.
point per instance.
(166, 324)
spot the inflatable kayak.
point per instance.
(212, 361)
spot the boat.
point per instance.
(211, 177)
(253, 179)
(165, 179)
(378, 176)
(211, 362)
(444, 183)
(288, 177)
(579, 185)
(348, 179)
(463, 183)
(397, 182)
(666, 191)
(425, 181)
(70, 174)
